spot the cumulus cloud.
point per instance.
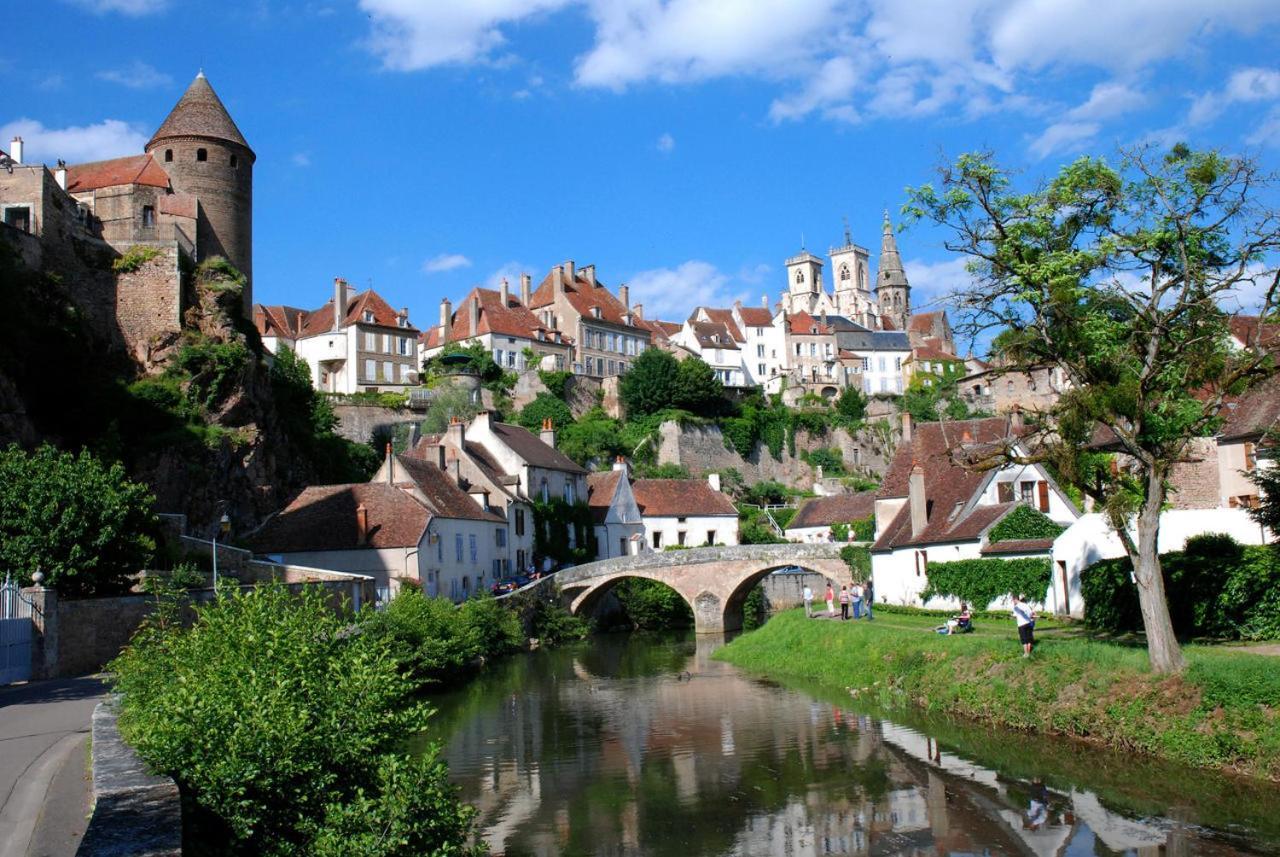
(829, 89)
(110, 138)
(136, 75)
(1268, 133)
(1083, 122)
(409, 35)
(672, 293)
(445, 262)
(1064, 137)
(134, 8)
(1245, 85)
(666, 143)
(932, 282)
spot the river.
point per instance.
(637, 744)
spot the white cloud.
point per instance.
(301, 159)
(830, 89)
(671, 293)
(133, 8)
(1083, 122)
(1267, 133)
(445, 262)
(1064, 137)
(666, 143)
(932, 282)
(1245, 85)
(110, 138)
(136, 75)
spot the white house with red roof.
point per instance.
(504, 326)
(619, 526)
(685, 512)
(355, 342)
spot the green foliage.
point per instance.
(661, 471)
(858, 558)
(134, 258)
(651, 606)
(783, 515)
(595, 438)
(650, 383)
(830, 459)
(285, 726)
(698, 390)
(852, 405)
(815, 422)
(211, 369)
(563, 531)
(545, 406)
(1025, 522)
(978, 582)
(447, 402)
(754, 528)
(556, 382)
(552, 624)
(755, 608)
(940, 400)
(218, 273)
(78, 520)
(1215, 587)
(840, 532)
(765, 493)
(864, 529)
(370, 399)
(475, 360)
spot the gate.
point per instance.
(15, 633)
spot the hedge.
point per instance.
(1025, 522)
(1215, 588)
(864, 529)
(978, 582)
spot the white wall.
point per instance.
(444, 575)
(1060, 508)
(695, 528)
(1091, 539)
(899, 579)
(384, 565)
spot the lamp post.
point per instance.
(224, 527)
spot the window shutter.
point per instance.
(1044, 496)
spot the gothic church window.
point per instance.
(799, 276)
(844, 272)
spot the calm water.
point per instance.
(642, 745)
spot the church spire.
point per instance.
(893, 292)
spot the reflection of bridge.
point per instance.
(714, 581)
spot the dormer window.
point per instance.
(368, 316)
(403, 321)
(595, 312)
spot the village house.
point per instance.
(605, 330)
(685, 512)
(932, 508)
(619, 526)
(355, 342)
(815, 517)
(719, 345)
(504, 326)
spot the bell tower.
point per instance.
(893, 292)
(804, 281)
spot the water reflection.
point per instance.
(641, 746)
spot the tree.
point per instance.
(78, 520)
(1121, 278)
(596, 438)
(698, 390)
(649, 385)
(852, 404)
(544, 406)
(447, 402)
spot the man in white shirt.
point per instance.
(1026, 619)
(807, 593)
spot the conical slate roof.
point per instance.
(891, 270)
(199, 113)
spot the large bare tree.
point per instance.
(1125, 279)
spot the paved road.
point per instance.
(44, 792)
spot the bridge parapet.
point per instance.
(786, 554)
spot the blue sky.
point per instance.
(684, 146)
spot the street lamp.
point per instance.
(224, 527)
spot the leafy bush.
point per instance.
(78, 520)
(783, 515)
(552, 624)
(557, 383)
(1215, 588)
(370, 399)
(1025, 522)
(978, 582)
(755, 608)
(661, 471)
(840, 532)
(214, 369)
(286, 727)
(309, 422)
(765, 493)
(831, 460)
(864, 529)
(447, 402)
(650, 383)
(852, 405)
(474, 359)
(651, 605)
(134, 258)
(754, 528)
(594, 438)
(545, 406)
(858, 558)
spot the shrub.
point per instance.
(286, 727)
(557, 383)
(765, 493)
(214, 369)
(840, 532)
(545, 406)
(651, 605)
(661, 471)
(783, 515)
(858, 558)
(831, 460)
(134, 258)
(864, 529)
(552, 624)
(650, 383)
(1025, 522)
(852, 405)
(981, 581)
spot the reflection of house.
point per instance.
(685, 512)
(930, 508)
(354, 342)
(619, 527)
(813, 520)
(504, 326)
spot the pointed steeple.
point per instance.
(891, 270)
(199, 113)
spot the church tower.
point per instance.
(849, 266)
(205, 155)
(893, 292)
(804, 282)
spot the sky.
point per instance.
(685, 147)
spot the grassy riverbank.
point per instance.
(1222, 713)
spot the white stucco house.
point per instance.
(687, 512)
(813, 520)
(932, 509)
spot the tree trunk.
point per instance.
(1162, 646)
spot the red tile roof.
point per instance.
(713, 334)
(922, 322)
(323, 518)
(583, 297)
(1245, 327)
(725, 318)
(660, 329)
(932, 349)
(601, 488)
(803, 324)
(755, 316)
(514, 319)
(680, 498)
(886, 323)
(530, 447)
(179, 205)
(300, 323)
(1254, 413)
(1019, 546)
(839, 509)
(133, 169)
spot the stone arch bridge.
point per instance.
(714, 580)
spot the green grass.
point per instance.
(1221, 713)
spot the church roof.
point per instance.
(199, 113)
(891, 272)
(132, 169)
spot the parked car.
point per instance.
(510, 584)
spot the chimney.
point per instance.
(456, 433)
(391, 466)
(60, 174)
(548, 433)
(589, 271)
(455, 469)
(620, 463)
(917, 500)
(1015, 420)
(362, 525)
(570, 272)
(713, 479)
(526, 289)
(624, 295)
(638, 311)
(446, 319)
(504, 292)
(557, 280)
(906, 427)
(474, 313)
(764, 301)
(15, 150)
(339, 302)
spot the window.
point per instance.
(388, 371)
(799, 276)
(813, 349)
(148, 216)
(511, 359)
(844, 272)
(1250, 457)
(519, 522)
(404, 346)
(546, 492)
(520, 566)
(368, 316)
(202, 155)
(475, 549)
(497, 356)
(370, 369)
(711, 537)
(501, 536)
(882, 364)
(613, 342)
(797, 349)
(612, 366)
(866, 364)
(19, 217)
(922, 563)
(457, 544)
(439, 548)
(386, 343)
(168, 155)
(404, 373)
(1004, 492)
(235, 161)
(759, 350)
(760, 369)
(1026, 491)
(497, 569)
(370, 341)
(570, 495)
(657, 540)
(897, 364)
(857, 455)
(680, 534)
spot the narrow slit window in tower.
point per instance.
(168, 155)
(202, 155)
(235, 161)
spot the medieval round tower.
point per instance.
(205, 155)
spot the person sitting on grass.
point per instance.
(959, 624)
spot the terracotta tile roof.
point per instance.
(886, 323)
(443, 496)
(755, 316)
(583, 297)
(1245, 327)
(1254, 413)
(323, 518)
(179, 205)
(922, 322)
(302, 323)
(723, 317)
(660, 329)
(1019, 546)
(803, 324)
(531, 448)
(514, 319)
(601, 488)
(839, 509)
(932, 349)
(712, 334)
(277, 320)
(199, 113)
(680, 498)
(133, 169)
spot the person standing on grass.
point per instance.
(857, 600)
(831, 601)
(869, 595)
(844, 603)
(1026, 619)
(807, 595)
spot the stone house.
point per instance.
(685, 512)
(606, 332)
(999, 391)
(619, 526)
(355, 342)
(504, 326)
(930, 363)
(931, 508)
(813, 520)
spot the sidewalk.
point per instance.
(44, 790)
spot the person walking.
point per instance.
(831, 602)
(857, 600)
(807, 595)
(869, 595)
(1026, 619)
(844, 603)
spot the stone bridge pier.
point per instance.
(713, 581)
